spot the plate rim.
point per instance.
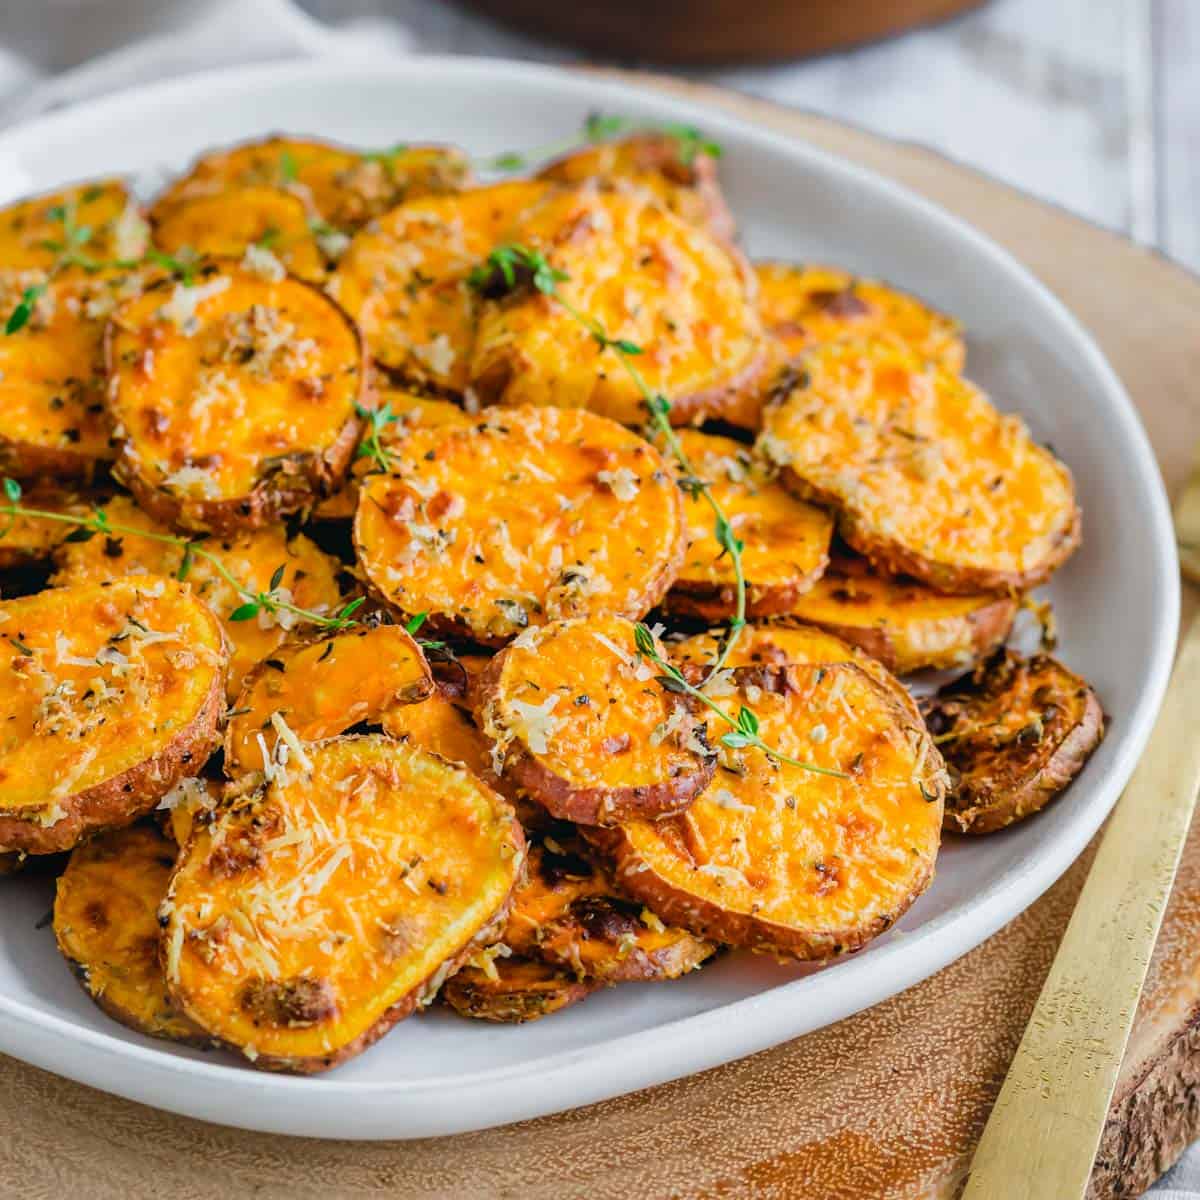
(746, 1028)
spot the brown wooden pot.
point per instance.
(718, 30)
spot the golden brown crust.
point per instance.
(1014, 732)
(521, 990)
(576, 721)
(106, 926)
(926, 477)
(234, 398)
(906, 625)
(114, 695)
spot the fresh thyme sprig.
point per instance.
(371, 446)
(743, 728)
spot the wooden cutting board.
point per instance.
(886, 1104)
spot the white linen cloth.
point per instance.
(59, 52)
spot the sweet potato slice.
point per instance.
(38, 231)
(269, 227)
(27, 540)
(440, 725)
(234, 397)
(302, 924)
(645, 276)
(778, 858)
(514, 990)
(684, 182)
(576, 720)
(1014, 732)
(112, 694)
(905, 624)
(527, 516)
(927, 478)
(404, 279)
(786, 541)
(106, 924)
(320, 687)
(346, 187)
(309, 577)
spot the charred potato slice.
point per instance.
(778, 858)
(106, 924)
(301, 924)
(309, 577)
(112, 694)
(235, 397)
(1014, 733)
(271, 229)
(645, 276)
(786, 541)
(343, 186)
(927, 478)
(905, 624)
(404, 279)
(34, 233)
(575, 719)
(52, 418)
(526, 517)
(684, 182)
(321, 686)
(514, 990)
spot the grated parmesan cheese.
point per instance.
(622, 482)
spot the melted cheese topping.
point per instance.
(227, 223)
(438, 724)
(309, 579)
(577, 698)
(322, 688)
(786, 541)
(32, 232)
(404, 278)
(808, 852)
(509, 524)
(97, 679)
(218, 386)
(296, 920)
(644, 275)
(106, 923)
(916, 458)
(345, 187)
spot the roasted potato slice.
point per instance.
(235, 397)
(527, 516)
(309, 579)
(905, 624)
(643, 275)
(684, 180)
(301, 924)
(272, 229)
(404, 279)
(786, 541)
(778, 858)
(40, 231)
(514, 990)
(112, 694)
(320, 686)
(441, 725)
(576, 720)
(106, 924)
(52, 417)
(345, 187)
(1014, 732)
(927, 478)
(26, 540)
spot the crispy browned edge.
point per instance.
(983, 629)
(26, 460)
(311, 477)
(709, 920)
(421, 994)
(1039, 789)
(893, 559)
(453, 627)
(716, 602)
(587, 805)
(514, 1005)
(119, 801)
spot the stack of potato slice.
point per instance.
(284, 389)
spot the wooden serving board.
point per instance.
(886, 1104)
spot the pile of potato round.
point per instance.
(281, 388)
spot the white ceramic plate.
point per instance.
(1117, 603)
